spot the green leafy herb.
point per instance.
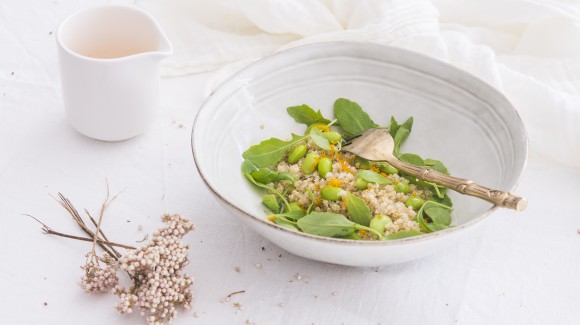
(445, 200)
(400, 133)
(284, 223)
(293, 215)
(271, 202)
(285, 176)
(248, 167)
(403, 234)
(436, 165)
(271, 189)
(264, 175)
(306, 115)
(353, 236)
(440, 217)
(270, 151)
(358, 210)
(351, 117)
(326, 224)
(319, 139)
(329, 224)
(372, 177)
(413, 159)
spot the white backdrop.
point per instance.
(517, 269)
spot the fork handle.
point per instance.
(463, 186)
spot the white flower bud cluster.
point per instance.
(158, 285)
(97, 279)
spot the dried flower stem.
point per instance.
(47, 230)
(103, 234)
(98, 229)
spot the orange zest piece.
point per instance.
(271, 218)
(323, 128)
(362, 232)
(375, 169)
(318, 201)
(334, 182)
(343, 165)
(332, 150)
(344, 202)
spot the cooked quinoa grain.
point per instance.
(381, 199)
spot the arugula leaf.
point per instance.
(326, 224)
(393, 127)
(351, 117)
(319, 139)
(445, 200)
(353, 236)
(306, 115)
(372, 177)
(281, 221)
(285, 176)
(358, 210)
(403, 234)
(248, 167)
(436, 165)
(264, 175)
(293, 215)
(440, 220)
(284, 223)
(271, 202)
(400, 133)
(264, 186)
(270, 151)
(413, 159)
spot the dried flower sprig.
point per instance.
(159, 286)
(155, 269)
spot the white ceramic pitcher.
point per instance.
(109, 63)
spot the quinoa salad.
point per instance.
(312, 186)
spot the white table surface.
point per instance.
(516, 269)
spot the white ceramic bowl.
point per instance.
(459, 119)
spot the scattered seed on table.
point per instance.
(258, 265)
(237, 269)
(281, 305)
(238, 306)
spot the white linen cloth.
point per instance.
(526, 48)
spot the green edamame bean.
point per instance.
(379, 222)
(414, 202)
(387, 168)
(332, 136)
(309, 163)
(331, 193)
(271, 202)
(362, 163)
(324, 166)
(297, 154)
(361, 184)
(293, 206)
(402, 187)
